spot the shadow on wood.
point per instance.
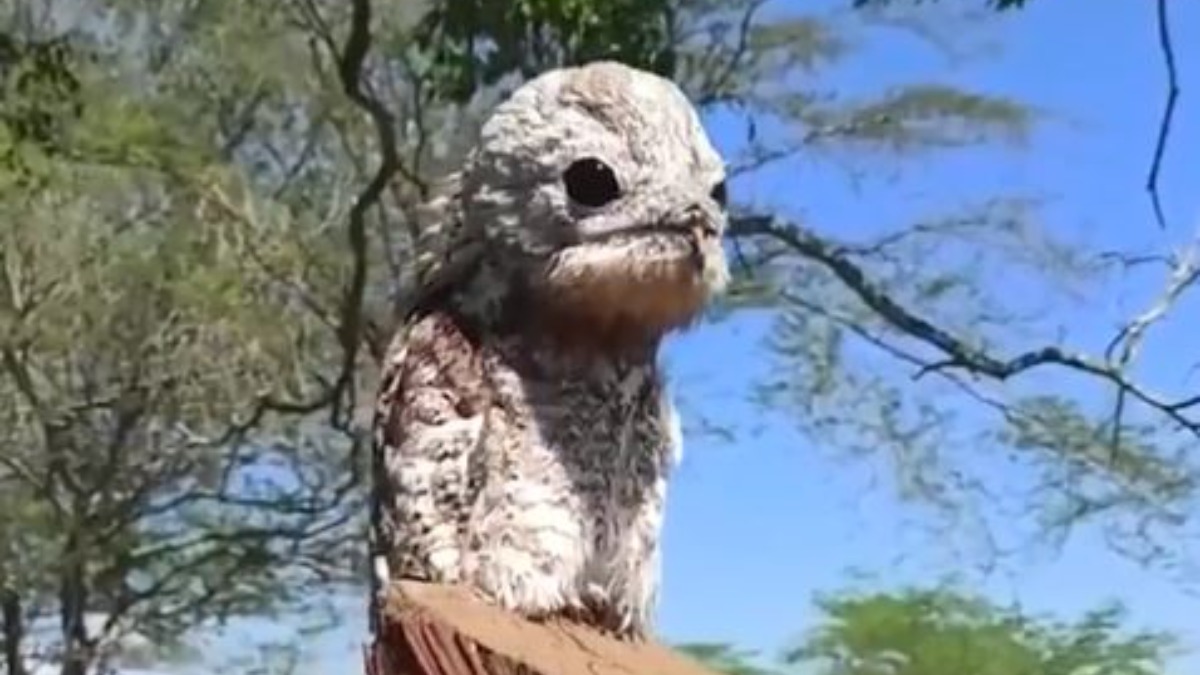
(442, 630)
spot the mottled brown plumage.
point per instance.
(524, 436)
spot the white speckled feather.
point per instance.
(524, 434)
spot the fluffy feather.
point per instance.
(524, 436)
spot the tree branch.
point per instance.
(1166, 46)
(351, 58)
(957, 353)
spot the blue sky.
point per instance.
(758, 525)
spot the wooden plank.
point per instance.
(444, 630)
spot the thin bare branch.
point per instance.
(1167, 47)
(1185, 271)
(957, 353)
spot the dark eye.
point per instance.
(591, 182)
(720, 194)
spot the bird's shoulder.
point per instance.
(432, 374)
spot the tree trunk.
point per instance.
(441, 630)
(14, 631)
(73, 603)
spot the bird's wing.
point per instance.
(428, 422)
(446, 252)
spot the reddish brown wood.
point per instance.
(443, 630)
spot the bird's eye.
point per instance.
(720, 194)
(591, 182)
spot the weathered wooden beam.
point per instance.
(442, 630)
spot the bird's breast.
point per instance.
(602, 431)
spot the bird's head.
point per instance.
(599, 189)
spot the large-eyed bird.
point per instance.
(523, 433)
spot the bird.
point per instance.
(524, 433)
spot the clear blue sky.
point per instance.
(757, 526)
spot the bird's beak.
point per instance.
(694, 220)
(700, 228)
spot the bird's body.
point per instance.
(542, 478)
(524, 436)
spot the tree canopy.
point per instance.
(930, 631)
